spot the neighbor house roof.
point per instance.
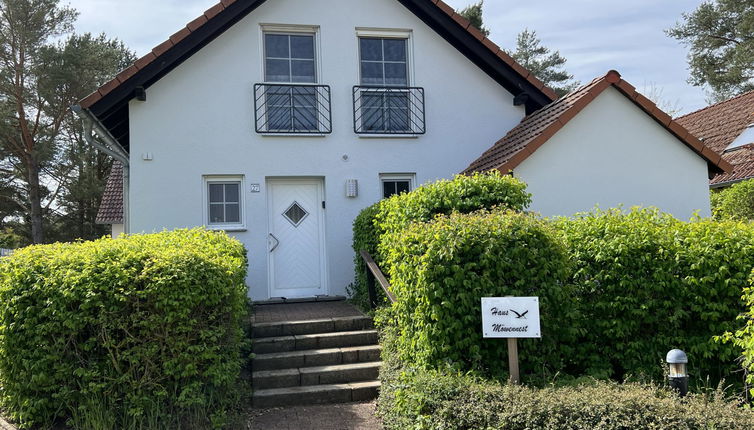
(111, 205)
(718, 126)
(536, 129)
(110, 102)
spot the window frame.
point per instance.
(396, 177)
(291, 30)
(207, 180)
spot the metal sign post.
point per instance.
(511, 318)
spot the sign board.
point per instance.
(256, 188)
(510, 317)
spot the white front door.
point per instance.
(296, 239)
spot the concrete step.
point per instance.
(316, 357)
(335, 374)
(292, 328)
(266, 345)
(316, 394)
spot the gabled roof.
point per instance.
(111, 206)
(718, 126)
(110, 102)
(536, 129)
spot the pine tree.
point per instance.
(474, 14)
(546, 65)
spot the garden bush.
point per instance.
(744, 337)
(647, 283)
(445, 399)
(440, 270)
(122, 333)
(462, 194)
(735, 202)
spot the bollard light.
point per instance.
(678, 377)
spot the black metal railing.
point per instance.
(388, 110)
(375, 276)
(292, 108)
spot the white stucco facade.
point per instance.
(199, 120)
(612, 153)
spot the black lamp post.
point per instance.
(678, 377)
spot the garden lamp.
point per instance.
(678, 377)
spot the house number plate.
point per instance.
(256, 188)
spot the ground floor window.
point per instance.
(224, 201)
(393, 183)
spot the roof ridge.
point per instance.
(751, 92)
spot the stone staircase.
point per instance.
(331, 360)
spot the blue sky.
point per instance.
(594, 35)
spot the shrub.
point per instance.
(462, 194)
(440, 270)
(744, 337)
(412, 398)
(647, 283)
(735, 202)
(147, 325)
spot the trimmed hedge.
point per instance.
(744, 337)
(646, 283)
(440, 270)
(412, 398)
(735, 202)
(462, 194)
(124, 332)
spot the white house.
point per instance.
(279, 120)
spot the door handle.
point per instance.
(277, 242)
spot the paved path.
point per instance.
(304, 311)
(348, 416)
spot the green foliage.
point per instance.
(413, 398)
(474, 14)
(125, 331)
(744, 337)
(647, 283)
(735, 202)
(720, 37)
(546, 65)
(462, 194)
(440, 271)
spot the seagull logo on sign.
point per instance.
(520, 316)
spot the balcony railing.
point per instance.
(292, 109)
(388, 110)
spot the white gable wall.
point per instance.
(611, 154)
(198, 120)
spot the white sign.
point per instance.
(510, 317)
(256, 188)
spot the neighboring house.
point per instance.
(727, 128)
(278, 121)
(605, 144)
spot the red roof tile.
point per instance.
(537, 128)
(111, 206)
(718, 126)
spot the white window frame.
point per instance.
(394, 177)
(225, 179)
(386, 33)
(294, 29)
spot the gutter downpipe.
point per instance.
(110, 147)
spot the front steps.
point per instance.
(332, 360)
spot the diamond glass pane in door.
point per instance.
(295, 214)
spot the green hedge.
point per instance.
(414, 398)
(646, 283)
(744, 337)
(462, 194)
(440, 270)
(735, 202)
(123, 333)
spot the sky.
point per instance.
(594, 35)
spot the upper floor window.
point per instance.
(384, 61)
(289, 58)
(290, 101)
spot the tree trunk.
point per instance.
(35, 201)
